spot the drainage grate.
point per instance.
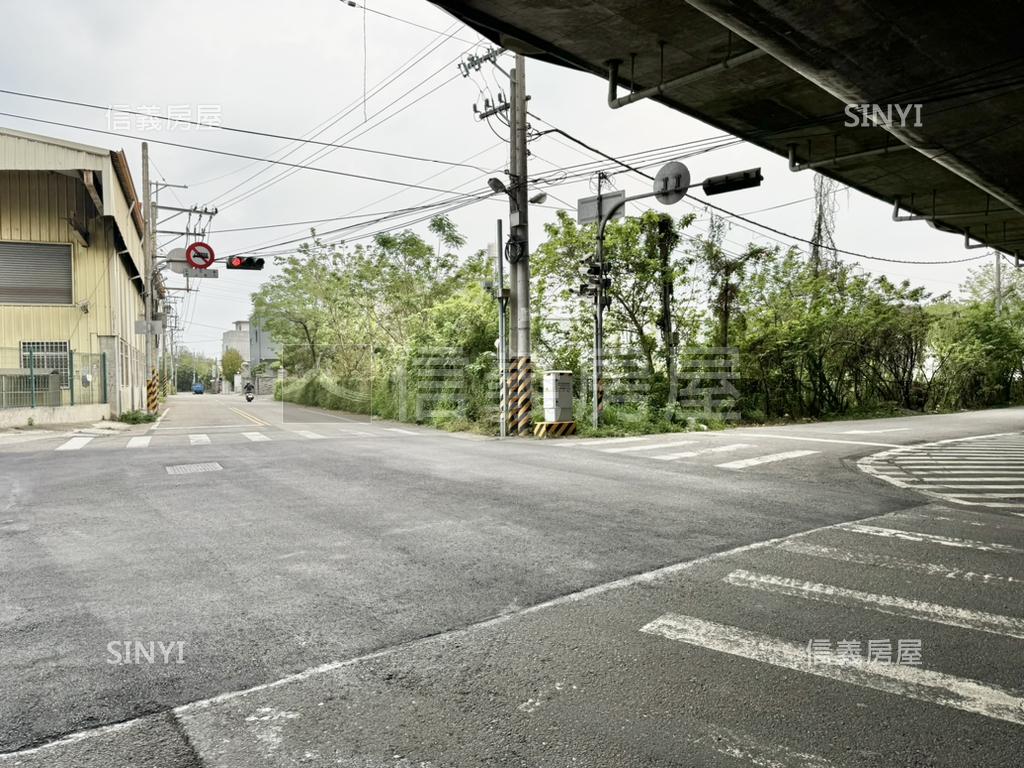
(188, 469)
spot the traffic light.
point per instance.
(244, 262)
(730, 182)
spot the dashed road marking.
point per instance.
(769, 458)
(309, 435)
(401, 431)
(650, 447)
(139, 442)
(702, 451)
(903, 680)
(74, 444)
(255, 437)
(979, 621)
(200, 439)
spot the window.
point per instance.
(46, 356)
(35, 273)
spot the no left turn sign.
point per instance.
(199, 255)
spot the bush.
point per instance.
(137, 417)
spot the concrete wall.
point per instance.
(64, 414)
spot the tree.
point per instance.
(231, 363)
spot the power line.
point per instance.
(245, 131)
(225, 153)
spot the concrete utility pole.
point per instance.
(521, 375)
(999, 284)
(147, 247)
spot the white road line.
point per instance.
(894, 563)
(823, 440)
(744, 463)
(985, 495)
(979, 621)
(927, 538)
(702, 451)
(957, 472)
(256, 437)
(900, 679)
(199, 439)
(139, 442)
(402, 431)
(873, 431)
(652, 447)
(746, 748)
(936, 484)
(74, 444)
(309, 435)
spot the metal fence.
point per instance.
(38, 375)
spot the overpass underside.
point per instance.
(786, 75)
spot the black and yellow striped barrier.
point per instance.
(524, 394)
(152, 395)
(554, 428)
(512, 406)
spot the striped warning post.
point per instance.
(152, 395)
(512, 414)
(554, 428)
(524, 387)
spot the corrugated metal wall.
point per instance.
(35, 207)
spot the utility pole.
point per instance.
(999, 284)
(522, 377)
(148, 271)
(666, 242)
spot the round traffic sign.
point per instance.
(671, 183)
(199, 255)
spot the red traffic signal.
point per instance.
(244, 262)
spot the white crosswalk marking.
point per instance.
(702, 451)
(652, 447)
(910, 681)
(401, 431)
(139, 442)
(767, 459)
(928, 538)
(74, 444)
(199, 439)
(309, 435)
(987, 471)
(952, 616)
(798, 547)
(256, 437)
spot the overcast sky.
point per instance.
(292, 68)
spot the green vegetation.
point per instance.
(137, 417)
(231, 364)
(192, 366)
(402, 328)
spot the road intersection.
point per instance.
(387, 595)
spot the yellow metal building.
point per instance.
(72, 272)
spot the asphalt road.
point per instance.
(240, 585)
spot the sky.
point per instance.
(294, 69)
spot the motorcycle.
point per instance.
(249, 397)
